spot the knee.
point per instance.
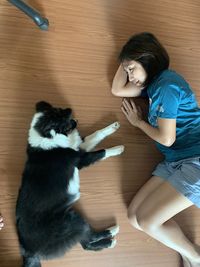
(131, 214)
(140, 221)
(146, 222)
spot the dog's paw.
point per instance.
(114, 151)
(114, 230)
(117, 150)
(110, 129)
(115, 125)
(120, 149)
(113, 243)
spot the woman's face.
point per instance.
(136, 73)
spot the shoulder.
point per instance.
(170, 82)
(170, 77)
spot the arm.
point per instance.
(122, 88)
(165, 134)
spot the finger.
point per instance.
(133, 106)
(124, 111)
(124, 106)
(127, 105)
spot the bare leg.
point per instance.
(154, 217)
(153, 183)
(91, 141)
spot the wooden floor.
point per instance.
(73, 65)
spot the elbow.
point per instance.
(168, 141)
(115, 92)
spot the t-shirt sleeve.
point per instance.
(169, 101)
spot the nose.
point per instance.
(130, 77)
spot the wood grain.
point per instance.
(73, 65)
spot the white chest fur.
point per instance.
(74, 184)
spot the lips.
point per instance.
(136, 82)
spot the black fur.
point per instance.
(47, 224)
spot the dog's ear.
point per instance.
(68, 111)
(42, 106)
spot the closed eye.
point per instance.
(131, 70)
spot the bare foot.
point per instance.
(1, 222)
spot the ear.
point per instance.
(42, 106)
(68, 111)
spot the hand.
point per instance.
(132, 113)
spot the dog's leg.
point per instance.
(113, 151)
(105, 234)
(91, 141)
(88, 158)
(31, 261)
(99, 245)
(79, 230)
(87, 236)
(100, 240)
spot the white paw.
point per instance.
(113, 244)
(114, 230)
(110, 129)
(115, 125)
(118, 149)
(114, 151)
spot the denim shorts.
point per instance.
(183, 175)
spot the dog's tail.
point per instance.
(31, 262)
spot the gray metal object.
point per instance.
(40, 21)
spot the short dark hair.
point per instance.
(148, 51)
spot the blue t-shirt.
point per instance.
(170, 96)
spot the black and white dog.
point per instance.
(47, 224)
